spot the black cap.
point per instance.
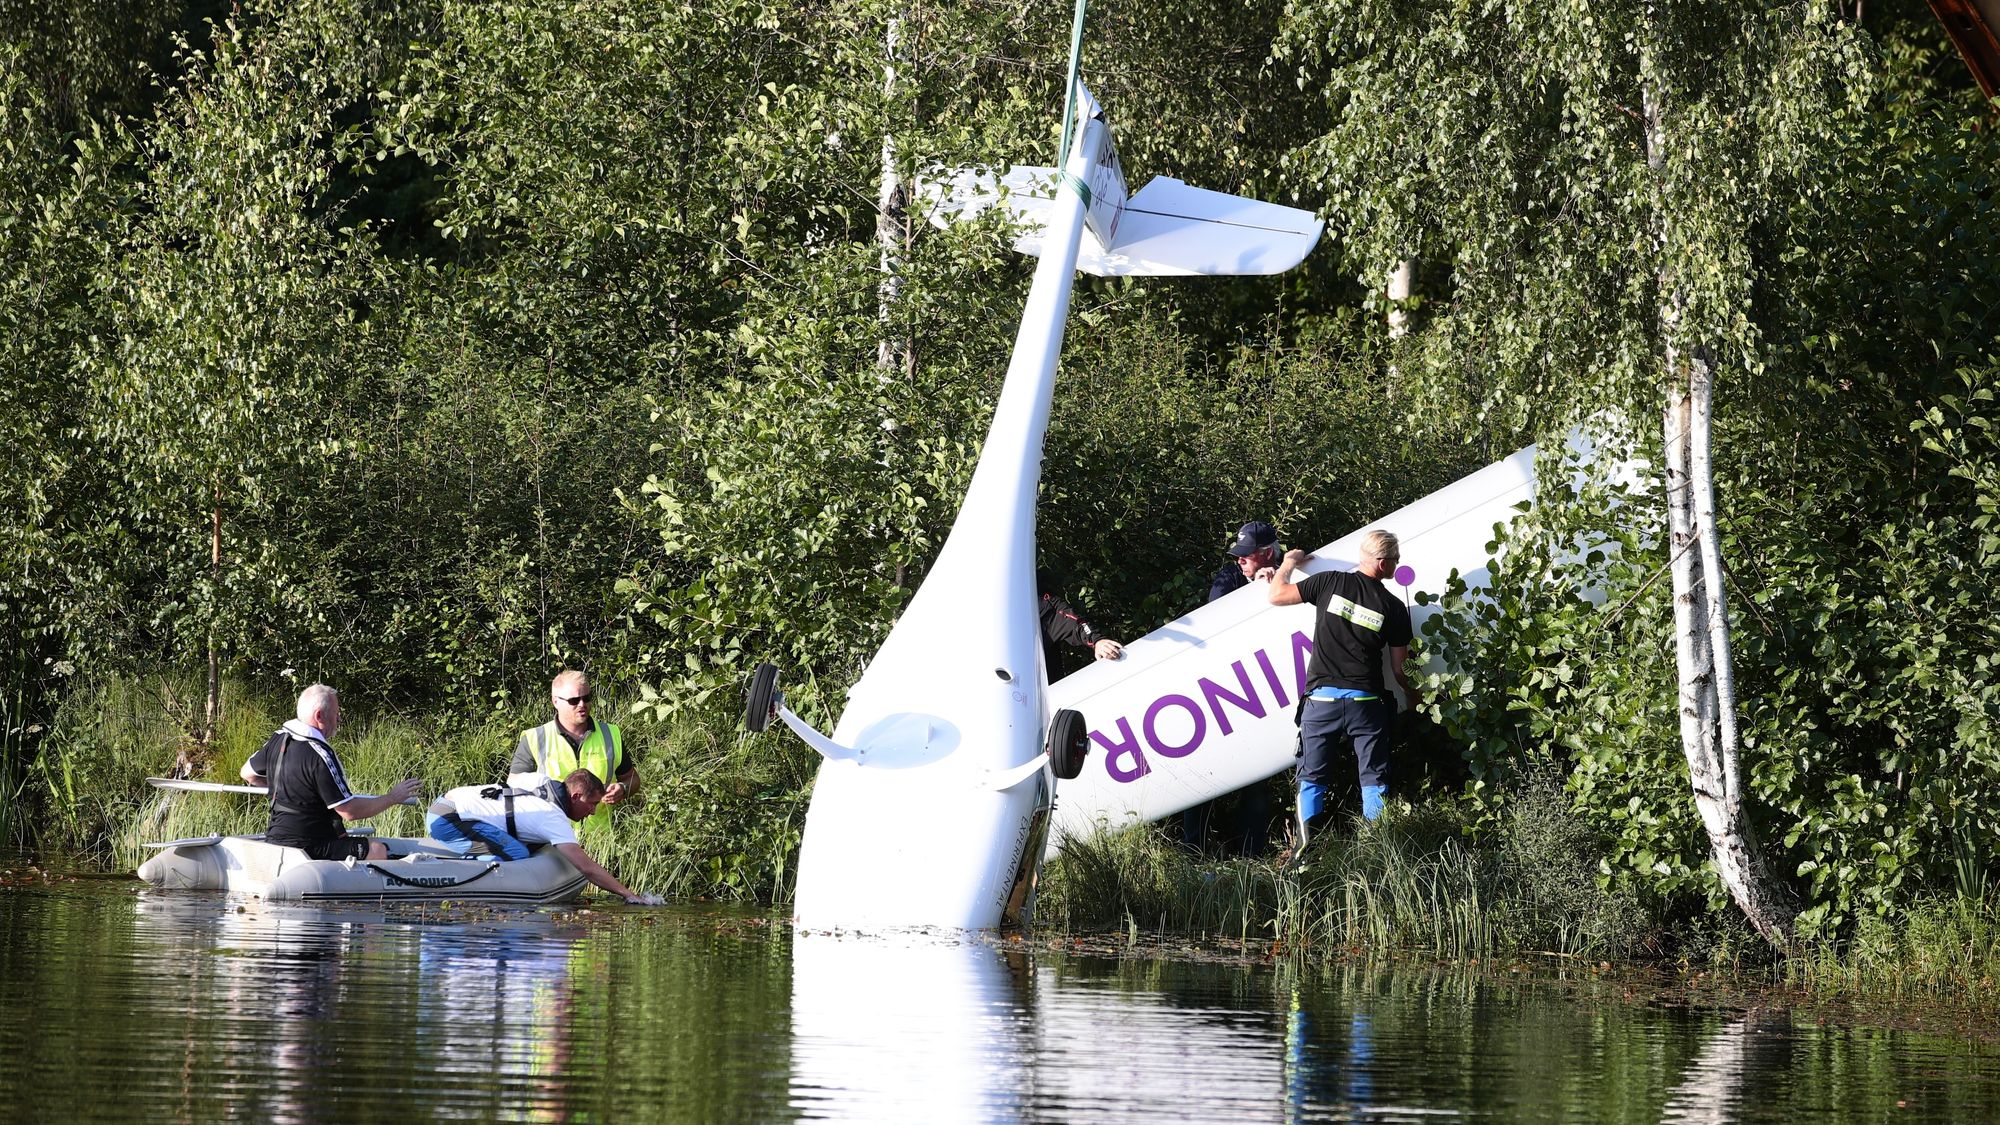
(1253, 537)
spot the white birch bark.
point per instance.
(893, 356)
(891, 222)
(1401, 280)
(1703, 654)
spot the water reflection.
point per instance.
(923, 1028)
(481, 1016)
(282, 974)
(1337, 1075)
(504, 1000)
(909, 1028)
(1119, 1048)
(1712, 1090)
(119, 1004)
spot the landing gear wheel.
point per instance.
(1069, 742)
(760, 698)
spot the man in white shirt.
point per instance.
(502, 822)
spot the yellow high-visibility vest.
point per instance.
(602, 753)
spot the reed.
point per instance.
(722, 814)
(1943, 948)
(13, 757)
(1139, 880)
(1409, 883)
(1402, 884)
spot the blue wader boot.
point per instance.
(1373, 797)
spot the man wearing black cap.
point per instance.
(1254, 553)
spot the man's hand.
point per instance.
(404, 791)
(1293, 559)
(1108, 649)
(643, 900)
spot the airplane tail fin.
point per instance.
(1167, 229)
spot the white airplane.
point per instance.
(1204, 705)
(932, 805)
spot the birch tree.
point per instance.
(1590, 177)
(229, 294)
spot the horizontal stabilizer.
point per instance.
(1168, 229)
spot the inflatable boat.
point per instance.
(424, 871)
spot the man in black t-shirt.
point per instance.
(310, 801)
(1358, 620)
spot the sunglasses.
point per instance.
(573, 700)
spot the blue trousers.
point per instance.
(473, 837)
(1326, 724)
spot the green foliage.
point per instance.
(1557, 662)
(1815, 217)
(1504, 148)
(1141, 880)
(504, 336)
(721, 817)
(1157, 453)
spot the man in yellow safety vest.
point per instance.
(573, 740)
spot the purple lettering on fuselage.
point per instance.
(1126, 762)
(1302, 650)
(1128, 744)
(1152, 727)
(1215, 694)
(1271, 674)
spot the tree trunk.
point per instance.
(1401, 280)
(212, 710)
(891, 223)
(1703, 656)
(893, 356)
(1704, 660)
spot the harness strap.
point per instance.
(506, 796)
(278, 768)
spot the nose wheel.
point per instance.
(1069, 743)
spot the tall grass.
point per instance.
(719, 816)
(1408, 883)
(1944, 948)
(118, 733)
(722, 812)
(14, 735)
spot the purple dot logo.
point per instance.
(1405, 576)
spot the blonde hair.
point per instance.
(1381, 545)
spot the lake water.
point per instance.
(119, 1002)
